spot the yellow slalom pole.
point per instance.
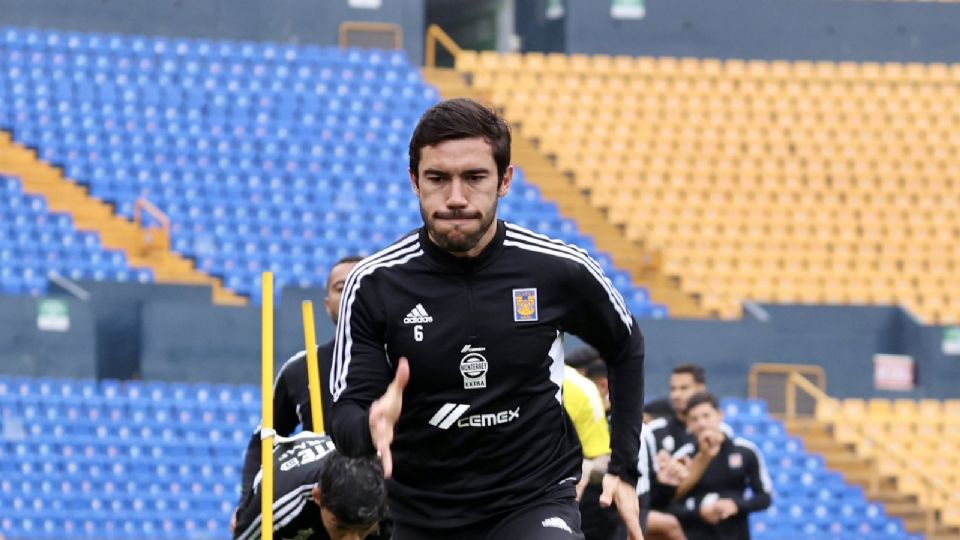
(266, 425)
(313, 367)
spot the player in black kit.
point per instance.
(291, 393)
(449, 356)
(319, 494)
(717, 506)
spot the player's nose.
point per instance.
(456, 197)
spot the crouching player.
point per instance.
(319, 494)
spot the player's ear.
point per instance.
(506, 182)
(414, 181)
(315, 493)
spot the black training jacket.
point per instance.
(738, 466)
(482, 431)
(297, 463)
(291, 407)
(670, 433)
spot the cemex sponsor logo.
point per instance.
(452, 413)
(418, 315)
(491, 419)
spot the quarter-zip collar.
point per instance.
(452, 263)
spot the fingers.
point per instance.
(628, 506)
(631, 518)
(609, 488)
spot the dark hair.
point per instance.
(353, 489)
(597, 370)
(582, 357)
(461, 119)
(699, 375)
(346, 260)
(658, 408)
(700, 398)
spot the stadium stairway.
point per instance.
(92, 214)
(557, 186)
(820, 437)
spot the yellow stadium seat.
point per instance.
(856, 156)
(466, 61)
(880, 409)
(854, 408)
(951, 408)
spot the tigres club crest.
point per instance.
(525, 305)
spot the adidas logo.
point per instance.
(418, 315)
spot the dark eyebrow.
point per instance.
(470, 172)
(436, 172)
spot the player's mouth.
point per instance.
(457, 218)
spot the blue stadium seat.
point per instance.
(338, 118)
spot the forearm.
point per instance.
(759, 501)
(697, 467)
(626, 397)
(350, 429)
(251, 464)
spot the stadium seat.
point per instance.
(734, 155)
(229, 156)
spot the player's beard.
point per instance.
(455, 240)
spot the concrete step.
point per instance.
(92, 214)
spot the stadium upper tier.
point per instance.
(111, 460)
(812, 182)
(265, 157)
(35, 242)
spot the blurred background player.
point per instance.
(319, 493)
(670, 430)
(291, 394)
(659, 478)
(585, 406)
(716, 507)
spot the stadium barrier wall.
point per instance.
(66, 348)
(841, 339)
(173, 333)
(196, 341)
(117, 310)
(758, 29)
(301, 23)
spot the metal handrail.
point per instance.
(160, 241)
(756, 370)
(436, 35)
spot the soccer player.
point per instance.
(717, 508)
(291, 393)
(319, 494)
(585, 406)
(670, 431)
(449, 355)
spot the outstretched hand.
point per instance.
(624, 496)
(384, 414)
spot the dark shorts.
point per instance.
(550, 520)
(600, 523)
